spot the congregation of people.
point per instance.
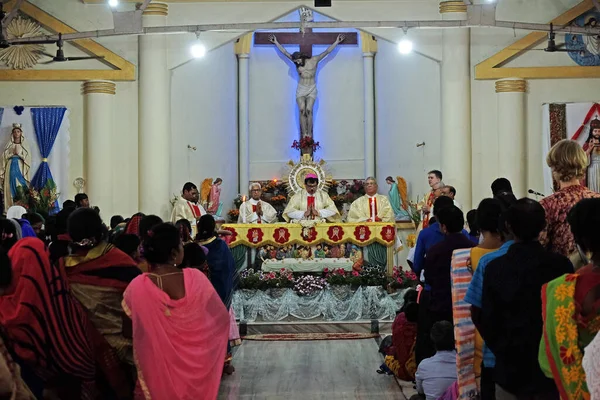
(508, 306)
(509, 309)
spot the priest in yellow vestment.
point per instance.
(256, 211)
(311, 204)
(187, 206)
(372, 207)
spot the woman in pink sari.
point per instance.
(180, 325)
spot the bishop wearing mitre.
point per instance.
(311, 204)
(255, 211)
(372, 207)
(187, 206)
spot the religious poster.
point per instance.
(579, 122)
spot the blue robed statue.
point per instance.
(396, 200)
(17, 162)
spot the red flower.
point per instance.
(355, 273)
(326, 270)
(566, 355)
(399, 280)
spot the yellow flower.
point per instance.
(560, 334)
(563, 314)
(563, 292)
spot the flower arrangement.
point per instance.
(308, 284)
(370, 275)
(279, 199)
(306, 143)
(42, 201)
(401, 279)
(338, 277)
(233, 215)
(343, 192)
(251, 279)
(414, 212)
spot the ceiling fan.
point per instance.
(552, 46)
(60, 54)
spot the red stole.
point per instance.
(254, 210)
(310, 202)
(373, 208)
(195, 209)
(429, 204)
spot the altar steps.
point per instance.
(295, 326)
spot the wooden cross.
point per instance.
(306, 40)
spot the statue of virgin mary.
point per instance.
(17, 162)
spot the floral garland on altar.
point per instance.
(40, 201)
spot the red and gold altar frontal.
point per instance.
(361, 234)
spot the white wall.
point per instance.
(408, 112)
(204, 115)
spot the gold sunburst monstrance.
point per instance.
(22, 56)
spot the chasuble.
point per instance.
(298, 205)
(366, 207)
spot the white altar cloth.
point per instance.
(300, 265)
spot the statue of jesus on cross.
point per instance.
(306, 93)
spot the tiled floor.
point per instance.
(336, 369)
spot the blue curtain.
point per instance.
(46, 122)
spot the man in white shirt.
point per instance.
(255, 211)
(372, 207)
(311, 203)
(187, 206)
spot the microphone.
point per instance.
(531, 191)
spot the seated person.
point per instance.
(129, 244)
(436, 374)
(311, 204)
(255, 211)
(372, 207)
(400, 358)
(185, 231)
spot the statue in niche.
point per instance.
(306, 93)
(214, 204)
(17, 162)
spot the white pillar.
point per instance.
(243, 123)
(369, 48)
(456, 103)
(99, 127)
(369, 74)
(511, 133)
(154, 117)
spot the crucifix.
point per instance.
(306, 64)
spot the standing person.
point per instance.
(511, 322)
(179, 317)
(221, 266)
(82, 200)
(501, 186)
(98, 274)
(474, 233)
(439, 257)
(434, 179)
(571, 309)
(474, 295)
(568, 162)
(469, 343)
(256, 211)
(450, 191)
(187, 206)
(48, 328)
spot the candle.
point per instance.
(243, 209)
(373, 216)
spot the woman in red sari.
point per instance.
(571, 309)
(180, 325)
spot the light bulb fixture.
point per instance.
(113, 3)
(405, 46)
(198, 50)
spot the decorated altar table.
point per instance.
(316, 265)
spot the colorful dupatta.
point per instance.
(561, 352)
(180, 344)
(469, 343)
(48, 328)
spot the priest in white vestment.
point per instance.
(255, 211)
(311, 204)
(187, 206)
(372, 207)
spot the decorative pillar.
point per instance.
(154, 116)
(369, 47)
(242, 50)
(98, 126)
(511, 133)
(456, 102)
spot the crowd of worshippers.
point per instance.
(511, 308)
(137, 310)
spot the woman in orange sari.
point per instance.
(571, 308)
(180, 325)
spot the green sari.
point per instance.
(565, 337)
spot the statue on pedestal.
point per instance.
(17, 162)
